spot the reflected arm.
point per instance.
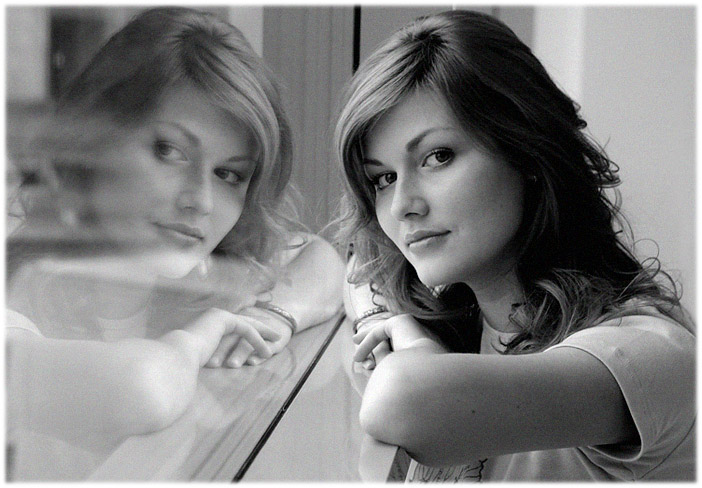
(311, 288)
(71, 388)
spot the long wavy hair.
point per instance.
(573, 263)
(162, 48)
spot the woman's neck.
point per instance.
(496, 298)
(119, 300)
(116, 289)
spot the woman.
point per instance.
(164, 244)
(477, 215)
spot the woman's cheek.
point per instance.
(388, 224)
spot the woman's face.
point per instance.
(451, 207)
(188, 168)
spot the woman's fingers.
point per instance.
(254, 360)
(223, 350)
(275, 346)
(254, 332)
(361, 334)
(240, 354)
(253, 339)
(240, 336)
(263, 330)
(372, 338)
(376, 355)
(367, 326)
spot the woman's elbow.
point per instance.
(387, 412)
(329, 273)
(161, 392)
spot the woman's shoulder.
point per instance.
(638, 325)
(651, 316)
(297, 242)
(47, 293)
(294, 243)
(642, 345)
(22, 287)
(16, 320)
(641, 339)
(650, 351)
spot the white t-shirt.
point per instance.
(652, 359)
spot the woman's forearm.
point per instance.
(448, 409)
(311, 290)
(66, 387)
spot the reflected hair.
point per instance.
(573, 263)
(162, 48)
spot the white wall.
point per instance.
(563, 59)
(27, 74)
(633, 70)
(249, 20)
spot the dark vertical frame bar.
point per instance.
(356, 37)
(271, 427)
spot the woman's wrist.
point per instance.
(280, 313)
(369, 314)
(268, 318)
(427, 344)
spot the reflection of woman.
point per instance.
(479, 217)
(194, 153)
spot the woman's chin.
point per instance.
(432, 275)
(173, 274)
(175, 271)
(173, 266)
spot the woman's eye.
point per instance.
(166, 151)
(438, 157)
(383, 180)
(228, 176)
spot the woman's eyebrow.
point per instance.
(249, 161)
(416, 140)
(413, 143)
(192, 138)
(195, 141)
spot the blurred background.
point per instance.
(632, 70)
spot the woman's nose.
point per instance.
(196, 193)
(407, 200)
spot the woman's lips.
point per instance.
(182, 234)
(417, 241)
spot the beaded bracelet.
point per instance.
(366, 314)
(292, 323)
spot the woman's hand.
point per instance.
(402, 332)
(216, 326)
(235, 350)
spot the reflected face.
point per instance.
(451, 207)
(190, 166)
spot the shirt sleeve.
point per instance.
(652, 359)
(16, 320)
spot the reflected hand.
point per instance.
(236, 350)
(401, 331)
(216, 324)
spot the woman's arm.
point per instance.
(311, 286)
(69, 388)
(376, 330)
(309, 289)
(447, 409)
